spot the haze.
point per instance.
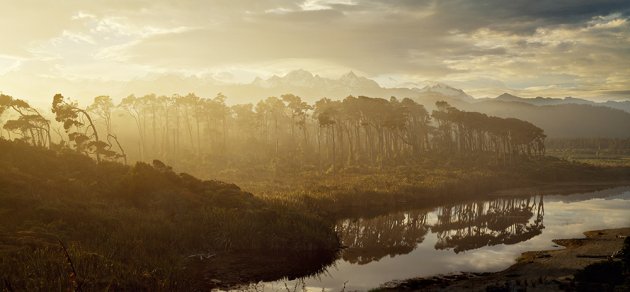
(90, 48)
(333, 145)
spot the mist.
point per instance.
(314, 145)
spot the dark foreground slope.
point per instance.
(134, 227)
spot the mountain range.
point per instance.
(312, 87)
(567, 117)
(539, 100)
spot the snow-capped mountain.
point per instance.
(311, 87)
(305, 79)
(351, 80)
(446, 90)
(297, 78)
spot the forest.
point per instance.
(286, 132)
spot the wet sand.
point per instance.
(533, 271)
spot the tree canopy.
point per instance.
(283, 132)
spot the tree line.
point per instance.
(327, 135)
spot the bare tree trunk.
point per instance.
(165, 135)
(225, 132)
(277, 137)
(188, 126)
(177, 130)
(198, 135)
(154, 146)
(98, 155)
(333, 150)
(319, 149)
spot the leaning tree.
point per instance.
(85, 136)
(30, 124)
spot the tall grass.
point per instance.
(133, 228)
(361, 191)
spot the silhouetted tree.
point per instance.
(31, 125)
(84, 136)
(102, 107)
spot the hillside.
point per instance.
(562, 120)
(539, 100)
(67, 221)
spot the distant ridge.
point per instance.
(567, 117)
(559, 117)
(563, 120)
(539, 100)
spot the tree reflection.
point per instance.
(370, 240)
(459, 227)
(501, 221)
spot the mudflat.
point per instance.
(533, 271)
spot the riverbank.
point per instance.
(366, 192)
(426, 181)
(548, 270)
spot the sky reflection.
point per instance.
(564, 217)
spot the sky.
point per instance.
(554, 48)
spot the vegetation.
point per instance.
(29, 124)
(131, 227)
(288, 133)
(358, 153)
(366, 192)
(598, 151)
(70, 221)
(612, 275)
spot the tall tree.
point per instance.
(102, 107)
(85, 137)
(135, 108)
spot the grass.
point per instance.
(592, 157)
(433, 180)
(132, 227)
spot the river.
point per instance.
(477, 236)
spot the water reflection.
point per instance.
(368, 240)
(478, 224)
(482, 236)
(459, 227)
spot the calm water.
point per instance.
(480, 236)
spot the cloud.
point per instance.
(562, 46)
(325, 4)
